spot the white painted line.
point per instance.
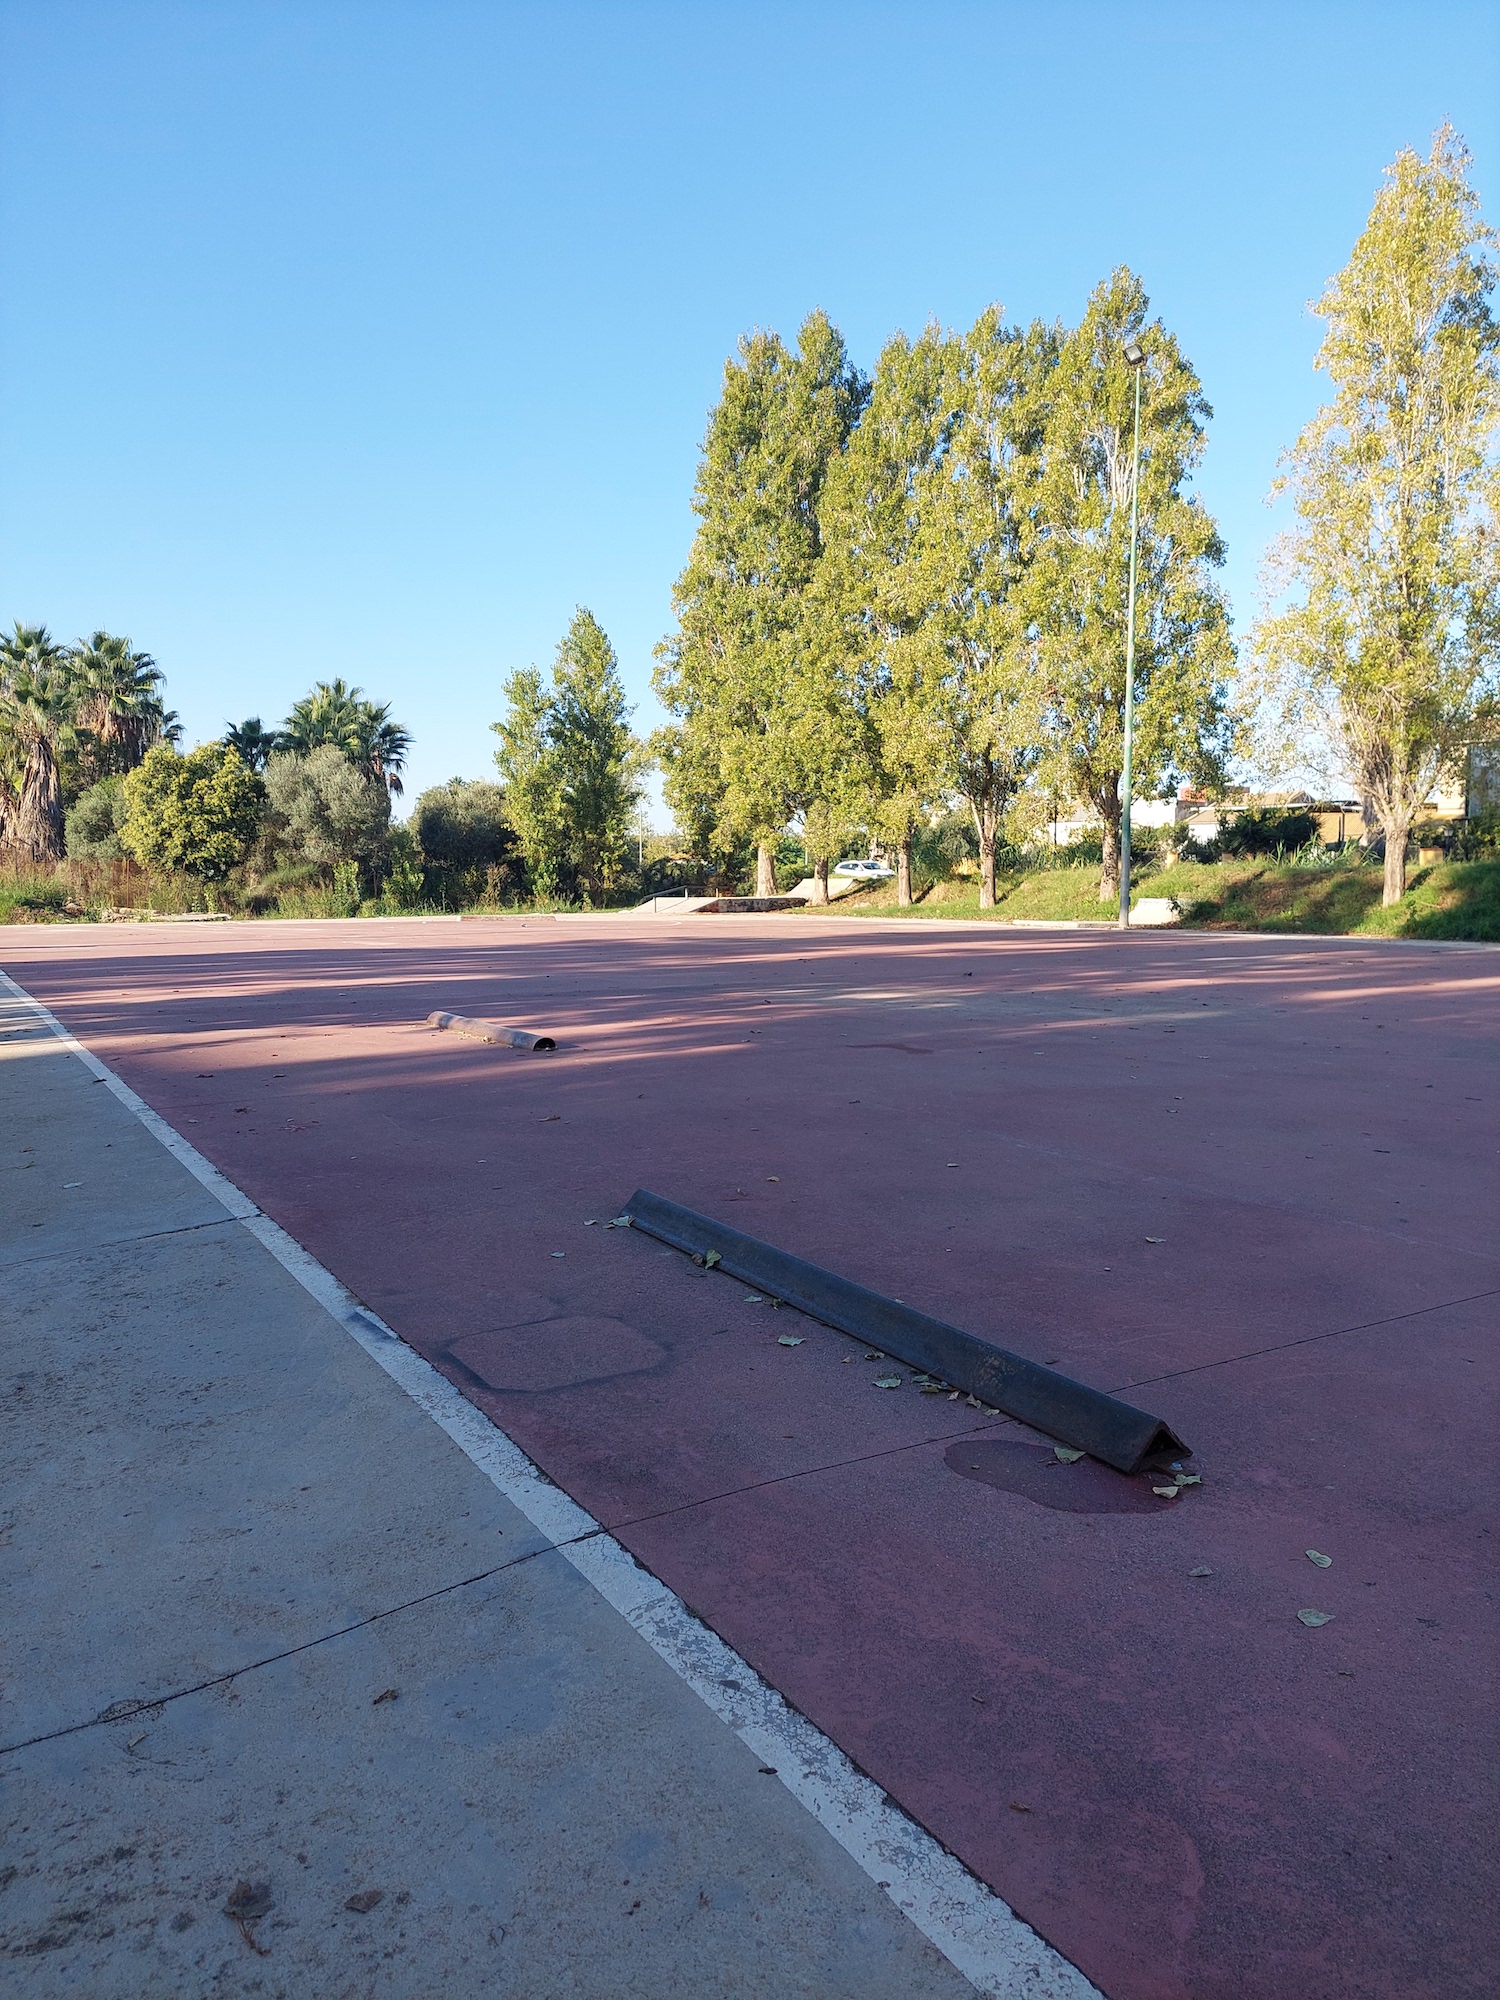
(977, 1932)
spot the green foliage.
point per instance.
(1267, 830)
(1385, 658)
(323, 809)
(463, 824)
(94, 821)
(763, 727)
(571, 767)
(199, 813)
(252, 742)
(336, 716)
(1079, 573)
(118, 712)
(404, 881)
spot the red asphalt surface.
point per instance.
(1190, 1793)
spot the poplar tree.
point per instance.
(1079, 573)
(571, 765)
(740, 675)
(1389, 651)
(875, 518)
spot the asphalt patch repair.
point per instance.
(1253, 1180)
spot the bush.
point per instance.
(198, 813)
(325, 811)
(94, 822)
(1267, 830)
(462, 825)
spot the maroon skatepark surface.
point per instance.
(1191, 1794)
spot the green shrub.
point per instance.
(198, 813)
(1267, 830)
(95, 819)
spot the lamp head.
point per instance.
(1135, 354)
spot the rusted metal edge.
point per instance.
(492, 1031)
(1074, 1414)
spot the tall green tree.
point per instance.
(1079, 569)
(251, 741)
(324, 809)
(932, 527)
(1388, 652)
(118, 707)
(337, 715)
(869, 591)
(744, 676)
(571, 766)
(38, 699)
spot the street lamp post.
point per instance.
(1137, 360)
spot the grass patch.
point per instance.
(1457, 900)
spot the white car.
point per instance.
(865, 871)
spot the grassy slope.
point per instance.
(1455, 900)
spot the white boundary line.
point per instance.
(970, 1925)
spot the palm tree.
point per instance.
(383, 745)
(119, 706)
(361, 730)
(37, 706)
(253, 743)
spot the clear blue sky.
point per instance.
(369, 339)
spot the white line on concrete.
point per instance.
(977, 1932)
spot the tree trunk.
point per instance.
(1109, 874)
(986, 868)
(38, 825)
(765, 874)
(1395, 863)
(903, 870)
(820, 879)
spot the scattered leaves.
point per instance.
(887, 1381)
(1066, 1453)
(788, 1340)
(1323, 1562)
(1315, 1617)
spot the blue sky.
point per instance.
(370, 339)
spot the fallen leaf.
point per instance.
(559, 1253)
(1315, 1617)
(72, 1184)
(1156, 1239)
(553, 1118)
(933, 1389)
(788, 1340)
(887, 1381)
(593, 1219)
(1166, 1492)
(953, 1163)
(754, 1299)
(1066, 1453)
(773, 1177)
(873, 1356)
(1189, 1479)
(1323, 1562)
(1016, 1806)
(365, 1901)
(1200, 1572)
(385, 1694)
(248, 1900)
(711, 1258)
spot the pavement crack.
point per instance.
(122, 1711)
